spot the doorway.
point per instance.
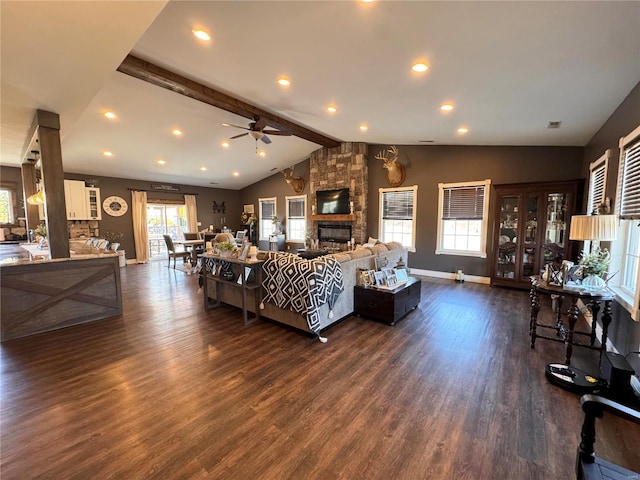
(164, 219)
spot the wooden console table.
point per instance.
(566, 334)
(240, 279)
(387, 305)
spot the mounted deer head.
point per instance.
(395, 171)
(296, 183)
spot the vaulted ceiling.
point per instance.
(508, 68)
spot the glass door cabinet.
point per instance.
(531, 229)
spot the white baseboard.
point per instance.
(450, 276)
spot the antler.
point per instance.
(390, 155)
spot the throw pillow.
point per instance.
(372, 240)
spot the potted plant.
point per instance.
(226, 248)
(594, 268)
(114, 239)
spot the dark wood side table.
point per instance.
(239, 278)
(387, 305)
(566, 334)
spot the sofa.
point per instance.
(350, 262)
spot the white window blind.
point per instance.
(463, 203)
(597, 183)
(267, 212)
(629, 182)
(398, 215)
(296, 218)
(397, 205)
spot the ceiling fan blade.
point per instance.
(238, 136)
(266, 139)
(276, 132)
(232, 125)
(260, 123)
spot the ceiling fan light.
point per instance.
(256, 134)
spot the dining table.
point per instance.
(191, 245)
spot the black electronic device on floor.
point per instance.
(573, 379)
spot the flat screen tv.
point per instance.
(330, 202)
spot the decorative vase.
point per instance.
(593, 283)
(115, 246)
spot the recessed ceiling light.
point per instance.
(363, 128)
(285, 82)
(110, 115)
(332, 109)
(107, 153)
(161, 162)
(262, 153)
(225, 144)
(463, 130)
(203, 169)
(446, 107)
(201, 34)
(235, 174)
(419, 67)
(176, 132)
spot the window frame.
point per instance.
(630, 300)
(264, 235)
(381, 192)
(482, 253)
(600, 163)
(12, 188)
(290, 237)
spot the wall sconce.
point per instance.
(37, 198)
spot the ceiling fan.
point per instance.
(257, 131)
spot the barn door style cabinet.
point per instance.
(531, 229)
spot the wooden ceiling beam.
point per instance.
(161, 77)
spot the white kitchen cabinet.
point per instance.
(76, 200)
(93, 205)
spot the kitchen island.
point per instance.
(47, 294)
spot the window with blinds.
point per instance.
(597, 183)
(625, 258)
(267, 213)
(296, 218)
(462, 223)
(629, 182)
(397, 215)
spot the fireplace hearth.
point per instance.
(334, 233)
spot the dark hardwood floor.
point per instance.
(170, 391)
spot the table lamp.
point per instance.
(253, 253)
(594, 227)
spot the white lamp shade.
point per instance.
(594, 227)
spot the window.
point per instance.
(164, 219)
(8, 203)
(462, 213)
(296, 218)
(267, 214)
(597, 182)
(626, 249)
(398, 214)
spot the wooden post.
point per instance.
(29, 188)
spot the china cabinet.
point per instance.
(531, 229)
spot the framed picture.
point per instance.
(401, 275)
(371, 277)
(248, 209)
(379, 276)
(380, 262)
(391, 279)
(244, 252)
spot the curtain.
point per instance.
(139, 214)
(192, 213)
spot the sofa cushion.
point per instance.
(360, 253)
(379, 248)
(372, 240)
(340, 257)
(393, 245)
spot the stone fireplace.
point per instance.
(341, 167)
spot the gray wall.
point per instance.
(623, 332)
(429, 165)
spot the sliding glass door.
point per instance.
(164, 219)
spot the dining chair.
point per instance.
(172, 253)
